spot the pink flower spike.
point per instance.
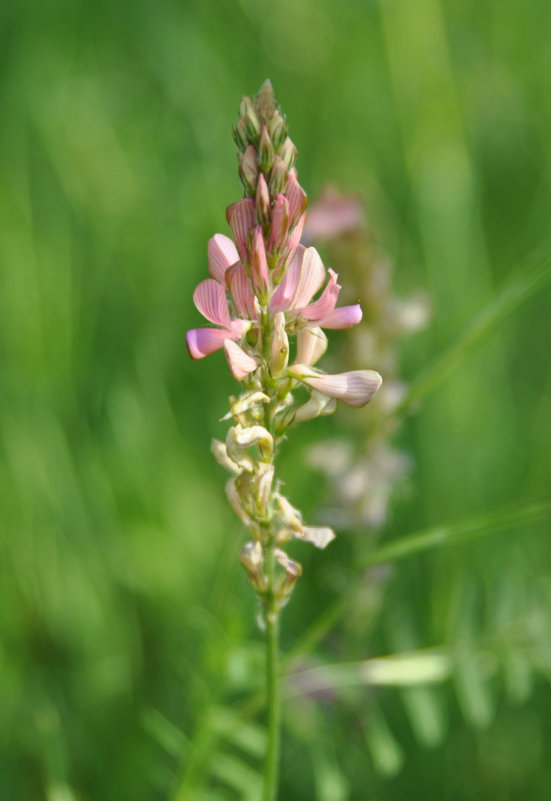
(241, 218)
(240, 363)
(222, 254)
(240, 289)
(296, 196)
(203, 341)
(311, 278)
(342, 317)
(259, 264)
(323, 307)
(210, 299)
(355, 388)
(311, 345)
(280, 224)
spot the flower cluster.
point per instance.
(363, 479)
(266, 294)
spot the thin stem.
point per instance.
(271, 768)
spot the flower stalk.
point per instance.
(270, 299)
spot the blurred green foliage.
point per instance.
(129, 654)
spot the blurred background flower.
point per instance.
(129, 661)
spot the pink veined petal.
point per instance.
(342, 317)
(241, 217)
(323, 307)
(222, 254)
(259, 264)
(356, 388)
(294, 237)
(241, 291)
(238, 328)
(282, 297)
(240, 363)
(311, 278)
(311, 345)
(202, 341)
(280, 223)
(210, 299)
(296, 196)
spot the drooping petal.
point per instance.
(356, 388)
(320, 536)
(241, 218)
(342, 317)
(240, 363)
(317, 405)
(210, 299)
(311, 345)
(311, 278)
(296, 196)
(222, 254)
(202, 341)
(259, 263)
(326, 303)
(241, 291)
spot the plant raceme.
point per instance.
(267, 295)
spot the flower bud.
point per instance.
(296, 196)
(265, 151)
(311, 345)
(262, 200)
(278, 176)
(288, 153)
(277, 129)
(265, 102)
(280, 224)
(252, 123)
(240, 135)
(260, 276)
(280, 346)
(248, 169)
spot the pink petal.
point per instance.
(323, 307)
(280, 224)
(238, 328)
(282, 297)
(210, 299)
(355, 388)
(294, 237)
(311, 345)
(241, 217)
(222, 254)
(202, 341)
(240, 363)
(259, 264)
(342, 317)
(296, 196)
(241, 291)
(311, 278)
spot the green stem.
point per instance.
(271, 769)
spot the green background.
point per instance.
(128, 642)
